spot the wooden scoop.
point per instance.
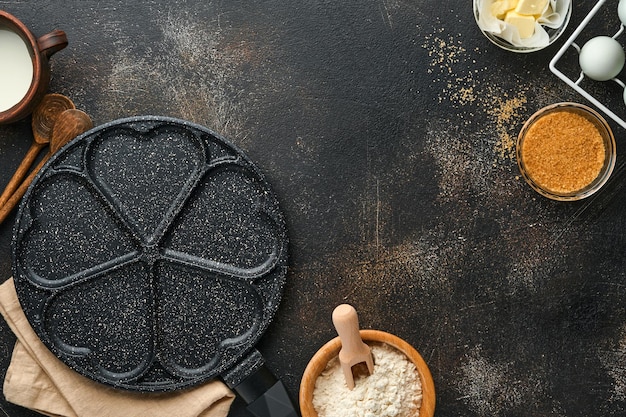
(353, 350)
(44, 117)
(68, 125)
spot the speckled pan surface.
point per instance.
(150, 254)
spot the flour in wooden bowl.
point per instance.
(393, 390)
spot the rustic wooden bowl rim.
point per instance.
(11, 22)
(331, 349)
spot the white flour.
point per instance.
(393, 390)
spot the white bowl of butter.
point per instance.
(522, 25)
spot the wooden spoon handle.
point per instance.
(353, 350)
(21, 171)
(10, 204)
(69, 125)
(346, 323)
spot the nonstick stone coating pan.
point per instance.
(150, 254)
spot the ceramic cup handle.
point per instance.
(52, 42)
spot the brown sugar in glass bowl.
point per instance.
(566, 151)
(330, 350)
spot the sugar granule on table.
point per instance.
(393, 390)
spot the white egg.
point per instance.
(602, 58)
(621, 11)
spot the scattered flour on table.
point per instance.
(612, 356)
(393, 390)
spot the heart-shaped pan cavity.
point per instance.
(150, 254)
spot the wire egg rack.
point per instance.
(576, 84)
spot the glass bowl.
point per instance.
(331, 349)
(553, 33)
(592, 186)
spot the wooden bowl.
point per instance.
(331, 349)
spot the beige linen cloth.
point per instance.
(38, 380)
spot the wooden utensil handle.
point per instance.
(346, 323)
(21, 171)
(70, 124)
(7, 207)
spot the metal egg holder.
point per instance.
(576, 84)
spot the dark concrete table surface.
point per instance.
(387, 130)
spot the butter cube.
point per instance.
(531, 7)
(500, 7)
(525, 24)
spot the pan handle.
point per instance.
(265, 395)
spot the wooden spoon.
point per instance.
(69, 124)
(353, 350)
(44, 117)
